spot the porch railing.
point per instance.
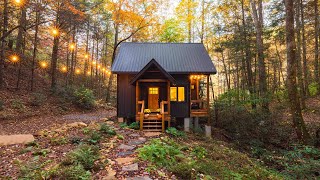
(141, 113)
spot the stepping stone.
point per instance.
(152, 134)
(126, 147)
(122, 161)
(126, 153)
(139, 178)
(110, 123)
(135, 135)
(136, 142)
(131, 167)
(16, 139)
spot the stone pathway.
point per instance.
(126, 164)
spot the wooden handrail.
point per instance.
(141, 114)
(162, 115)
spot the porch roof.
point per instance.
(155, 63)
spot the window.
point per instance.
(153, 90)
(173, 93)
(177, 94)
(180, 94)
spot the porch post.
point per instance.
(137, 97)
(168, 97)
(208, 126)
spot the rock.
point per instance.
(111, 174)
(110, 123)
(131, 167)
(104, 119)
(139, 178)
(134, 135)
(16, 139)
(122, 161)
(126, 153)
(136, 142)
(77, 124)
(126, 147)
(152, 134)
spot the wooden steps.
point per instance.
(153, 124)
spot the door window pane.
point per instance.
(153, 91)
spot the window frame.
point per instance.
(177, 94)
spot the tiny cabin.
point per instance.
(157, 82)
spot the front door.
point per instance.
(153, 98)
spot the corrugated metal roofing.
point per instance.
(173, 57)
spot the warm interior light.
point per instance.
(77, 71)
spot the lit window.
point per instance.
(180, 94)
(177, 94)
(173, 93)
(153, 91)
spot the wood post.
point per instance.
(137, 97)
(208, 101)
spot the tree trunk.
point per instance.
(298, 55)
(20, 42)
(35, 44)
(54, 61)
(316, 48)
(295, 108)
(258, 21)
(304, 50)
(3, 43)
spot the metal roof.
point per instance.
(175, 58)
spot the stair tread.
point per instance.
(146, 126)
(152, 122)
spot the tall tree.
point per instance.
(295, 108)
(316, 48)
(258, 21)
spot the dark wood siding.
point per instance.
(126, 96)
(181, 109)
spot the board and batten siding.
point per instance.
(181, 109)
(127, 100)
(126, 96)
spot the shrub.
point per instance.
(75, 139)
(134, 125)
(41, 152)
(85, 155)
(123, 125)
(313, 88)
(199, 152)
(74, 172)
(94, 137)
(57, 141)
(36, 170)
(174, 132)
(17, 104)
(37, 99)
(160, 152)
(104, 128)
(84, 98)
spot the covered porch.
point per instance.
(152, 92)
(199, 96)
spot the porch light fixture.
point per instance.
(64, 69)
(78, 71)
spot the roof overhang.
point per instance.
(146, 67)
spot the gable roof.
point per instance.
(153, 62)
(175, 58)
